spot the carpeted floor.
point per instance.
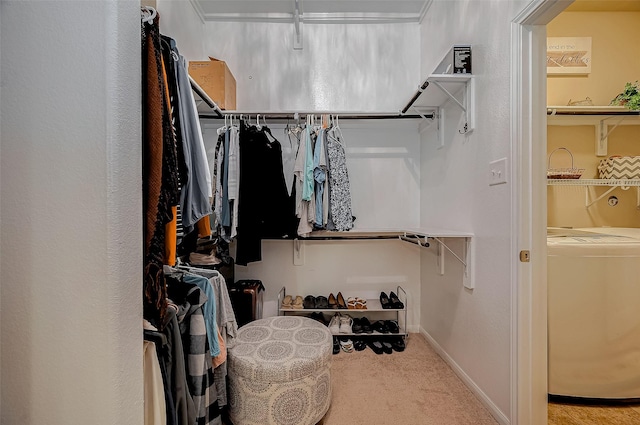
(579, 414)
(415, 387)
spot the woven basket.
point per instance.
(563, 173)
(620, 167)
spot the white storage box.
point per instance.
(620, 167)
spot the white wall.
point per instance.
(343, 67)
(179, 20)
(472, 326)
(356, 268)
(71, 213)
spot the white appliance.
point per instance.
(594, 312)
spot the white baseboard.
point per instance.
(414, 329)
(484, 399)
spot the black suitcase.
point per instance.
(246, 299)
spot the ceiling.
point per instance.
(312, 10)
(355, 10)
(604, 6)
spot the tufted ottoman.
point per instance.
(279, 372)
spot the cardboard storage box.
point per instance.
(620, 167)
(216, 80)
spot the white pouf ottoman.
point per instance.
(279, 372)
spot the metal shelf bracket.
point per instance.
(466, 260)
(466, 105)
(588, 203)
(297, 26)
(602, 136)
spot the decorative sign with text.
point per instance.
(568, 55)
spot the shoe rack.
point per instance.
(373, 312)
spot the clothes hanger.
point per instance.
(339, 135)
(224, 128)
(148, 14)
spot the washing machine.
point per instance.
(594, 312)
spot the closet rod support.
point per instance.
(450, 95)
(205, 97)
(467, 279)
(588, 204)
(415, 97)
(449, 249)
(297, 27)
(428, 118)
(415, 239)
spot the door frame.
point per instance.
(529, 210)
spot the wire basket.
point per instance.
(585, 102)
(563, 173)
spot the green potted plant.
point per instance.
(630, 97)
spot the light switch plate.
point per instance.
(498, 171)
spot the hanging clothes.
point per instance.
(196, 188)
(233, 178)
(320, 179)
(289, 152)
(340, 195)
(189, 300)
(185, 409)
(227, 327)
(265, 209)
(219, 176)
(209, 310)
(300, 170)
(155, 409)
(160, 176)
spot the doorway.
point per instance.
(529, 83)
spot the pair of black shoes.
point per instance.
(391, 302)
(387, 345)
(380, 347)
(386, 326)
(361, 325)
(311, 302)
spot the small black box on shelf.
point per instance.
(462, 59)
(457, 61)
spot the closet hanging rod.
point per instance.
(415, 97)
(554, 111)
(205, 98)
(302, 116)
(414, 239)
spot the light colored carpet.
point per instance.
(415, 387)
(576, 414)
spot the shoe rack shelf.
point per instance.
(373, 306)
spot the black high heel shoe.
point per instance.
(395, 301)
(332, 302)
(384, 301)
(341, 303)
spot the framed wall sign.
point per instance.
(568, 55)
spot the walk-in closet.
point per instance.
(435, 159)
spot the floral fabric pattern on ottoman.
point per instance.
(280, 372)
